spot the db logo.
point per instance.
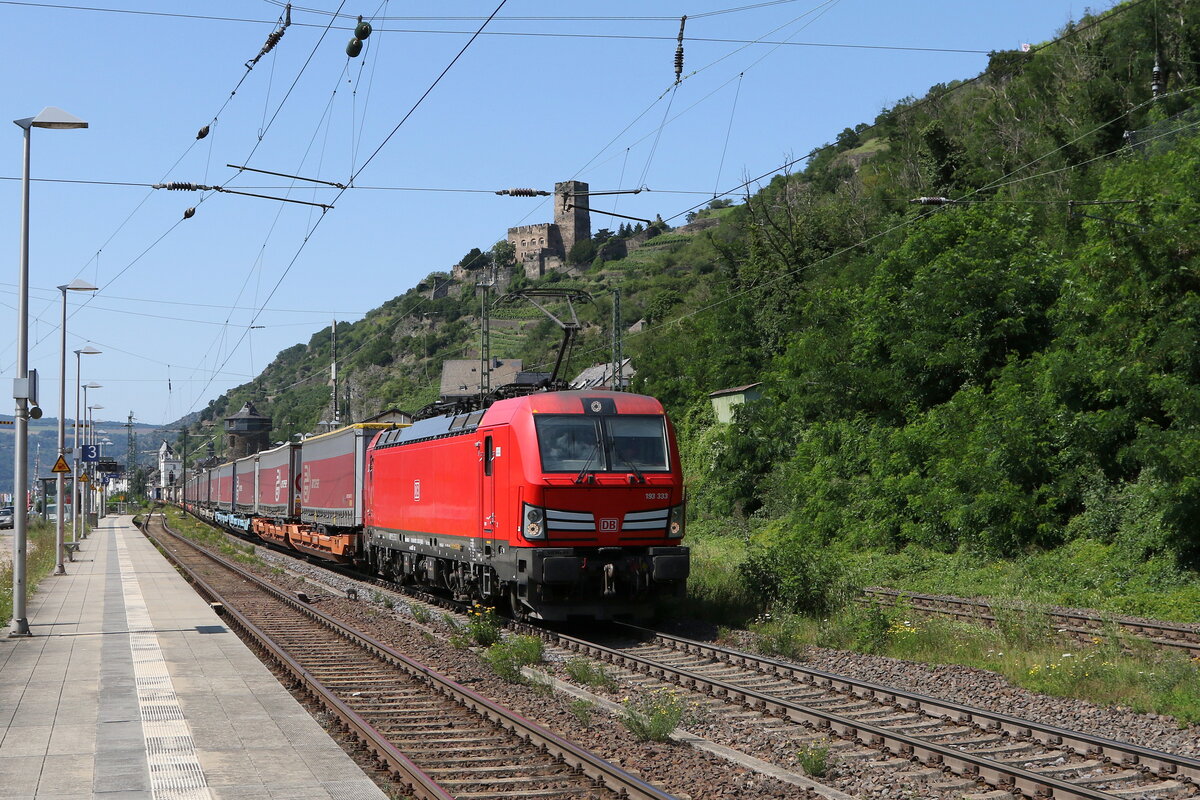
(608, 526)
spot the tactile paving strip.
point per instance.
(175, 772)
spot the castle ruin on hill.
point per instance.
(543, 247)
(537, 249)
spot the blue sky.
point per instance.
(550, 91)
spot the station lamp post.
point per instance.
(76, 494)
(84, 493)
(55, 119)
(76, 285)
(92, 439)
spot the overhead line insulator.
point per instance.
(273, 38)
(931, 201)
(523, 192)
(679, 50)
(177, 186)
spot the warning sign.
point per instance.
(84, 478)
(61, 466)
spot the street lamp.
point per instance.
(85, 493)
(76, 285)
(92, 438)
(76, 495)
(54, 118)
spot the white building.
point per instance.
(170, 467)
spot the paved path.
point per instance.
(131, 688)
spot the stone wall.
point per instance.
(532, 239)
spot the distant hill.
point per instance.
(43, 445)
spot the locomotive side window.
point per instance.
(638, 441)
(487, 455)
(570, 443)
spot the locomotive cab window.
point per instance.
(575, 443)
(569, 442)
(639, 442)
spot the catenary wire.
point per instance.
(308, 236)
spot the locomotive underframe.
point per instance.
(561, 583)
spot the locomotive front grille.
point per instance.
(574, 521)
(646, 520)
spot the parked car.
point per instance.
(6, 517)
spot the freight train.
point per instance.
(553, 505)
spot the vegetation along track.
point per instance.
(437, 738)
(1006, 753)
(1081, 624)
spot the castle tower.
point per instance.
(248, 432)
(574, 224)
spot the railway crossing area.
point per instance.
(131, 687)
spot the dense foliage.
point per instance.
(1000, 374)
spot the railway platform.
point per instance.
(131, 687)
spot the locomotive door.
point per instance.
(493, 453)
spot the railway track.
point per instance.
(436, 738)
(952, 750)
(997, 753)
(1081, 624)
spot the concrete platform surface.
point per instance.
(131, 687)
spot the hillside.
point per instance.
(1008, 373)
(43, 445)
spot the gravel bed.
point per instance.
(989, 690)
(677, 769)
(687, 772)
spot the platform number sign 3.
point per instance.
(90, 452)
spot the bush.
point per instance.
(483, 627)
(508, 657)
(653, 716)
(796, 576)
(782, 634)
(815, 760)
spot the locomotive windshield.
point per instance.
(574, 443)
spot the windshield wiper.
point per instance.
(632, 466)
(588, 462)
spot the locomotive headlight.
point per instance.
(675, 523)
(533, 518)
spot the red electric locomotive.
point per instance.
(559, 504)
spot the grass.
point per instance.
(39, 562)
(1082, 573)
(589, 673)
(506, 658)
(197, 531)
(584, 711)
(1112, 670)
(716, 591)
